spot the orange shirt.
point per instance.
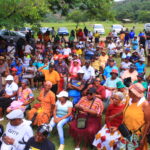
(51, 76)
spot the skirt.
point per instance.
(86, 135)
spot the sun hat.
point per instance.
(80, 71)
(142, 59)
(14, 69)
(63, 94)
(15, 114)
(127, 49)
(137, 89)
(132, 66)
(120, 85)
(9, 78)
(114, 71)
(44, 129)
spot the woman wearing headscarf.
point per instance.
(42, 111)
(108, 136)
(74, 68)
(134, 119)
(91, 108)
(25, 97)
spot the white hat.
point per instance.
(9, 78)
(80, 71)
(63, 94)
(27, 51)
(142, 59)
(15, 114)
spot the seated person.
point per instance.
(93, 107)
(8, 95)
(41, 112)
(40, 140)
(25, 97)
(108, 136)
(61, 115)
(17, 133)
(130, 73)
(100, 90)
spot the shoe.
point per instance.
(61, 147)
(1, 119)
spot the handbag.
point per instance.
(82, 122)
(125, 132)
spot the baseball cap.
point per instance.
(44, 129)
(15, 114)
(63, 94)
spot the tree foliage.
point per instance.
(136, 10)
(18, 12)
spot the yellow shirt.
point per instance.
(103, 60)
(95, 64)
(134, 116)
(79, 51)
(51, 76)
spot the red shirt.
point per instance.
(111, 110)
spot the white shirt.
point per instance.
(11, 50)
(20, 134)
(111, 46)
(28, 48)
(11, 88)
(67, 51)
(125, 65)
(88, 72)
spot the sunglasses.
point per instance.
(89, 93)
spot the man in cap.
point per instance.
(40, 140)
(17, 133)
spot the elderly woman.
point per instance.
(62, 115)
(8, 95)
(90, 108)
(41, 112)
(108, 136)
(134, 119)
(25, 97)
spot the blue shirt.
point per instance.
(135, 44)
(131, 35)
(140, 67)
(108, 70)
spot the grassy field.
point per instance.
(89, 25)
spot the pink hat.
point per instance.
(114, 71)
(137, 89)
(14, 69)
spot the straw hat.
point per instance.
(137, 89)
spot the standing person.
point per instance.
(132, 34)
(126, 39)
(134, 119)
(40, 140)
(53, 33)
(135, 43)
(86, 31)
(97, 36)
(61, 116)
(4, 68)
(11, 49)
(52, 76)
(17, 133)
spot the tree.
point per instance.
(18, 12)
(78, 16)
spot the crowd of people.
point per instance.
(76, 82)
